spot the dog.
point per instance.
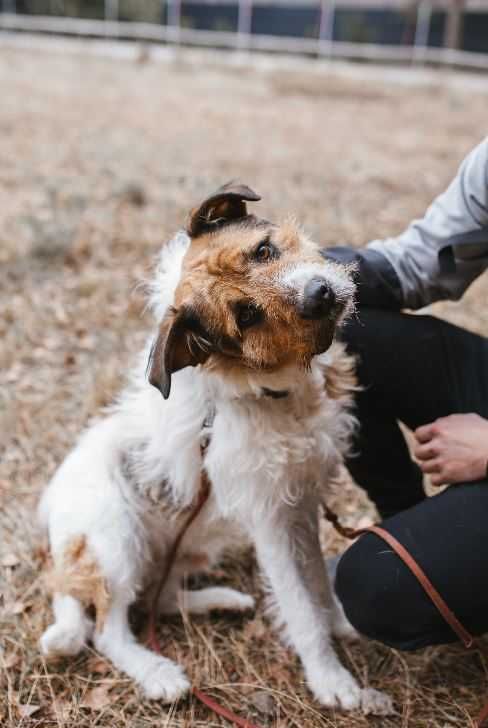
(246, 314)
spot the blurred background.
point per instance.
(116, 118)
(427, 29)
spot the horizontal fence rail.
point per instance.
(174, 33)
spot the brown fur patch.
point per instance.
(79, 575)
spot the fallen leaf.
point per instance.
(61, 709)
(61, 315)
(41, 554)
(96, 699)
(99, 666)
(25, 711)
(280, 674)
(263, 702)
(87, 342)
(10, 560)
(14, 374)
(255, 630)
(11, 660)
(17, 607)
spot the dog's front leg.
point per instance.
(288, 550)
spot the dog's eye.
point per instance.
(248, 315)
(265, 251)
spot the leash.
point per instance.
(466, 638)
(152, 639)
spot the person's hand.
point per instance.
(453, 449)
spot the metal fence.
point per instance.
(172, 31)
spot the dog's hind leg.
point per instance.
(202, 601)
(159, 677)
(71, 629)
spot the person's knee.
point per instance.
(372, 596)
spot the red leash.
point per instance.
(422, 578)
(220, 710)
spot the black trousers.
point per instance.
(415, 369)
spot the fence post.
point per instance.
(326, 26)
(111, 13)
(111, 8)
(422, 30)
(244, 23)
(174, 20)
(453, 33)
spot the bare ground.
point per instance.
(100, 160)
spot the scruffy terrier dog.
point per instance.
(247, 312)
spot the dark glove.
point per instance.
(377, 283)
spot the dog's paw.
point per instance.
(340, 690)
(337, 689)
(165, 681)
(376, 702)
(243, 603)
(60, 640)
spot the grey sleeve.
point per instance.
(439, 256)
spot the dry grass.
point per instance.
(99, 162)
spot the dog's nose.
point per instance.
(318, 299)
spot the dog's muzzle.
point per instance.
(318, 299)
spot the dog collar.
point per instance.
(274, 393)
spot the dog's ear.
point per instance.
(181, 342)
(228, 203)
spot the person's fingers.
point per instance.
(438, 479)
(426, 452)
(425, 433)
(431, 466)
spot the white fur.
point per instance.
(266, 461)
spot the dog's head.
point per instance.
(251, 294)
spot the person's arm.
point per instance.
(376, 280)
(436, 257)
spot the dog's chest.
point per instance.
(260, 453)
